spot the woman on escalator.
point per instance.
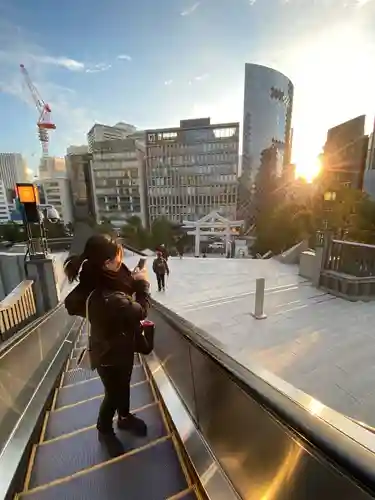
(106, 287)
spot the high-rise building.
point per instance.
(79, 170)
(101, 133)
(192, 170)
(4, 204)
(344, 154)
(267, 118)
(56, 192)
(13, 169)
(369, 177)
(52, 166)
(117, 169)
(54, 186)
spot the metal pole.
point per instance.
(259, 299)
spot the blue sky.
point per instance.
(152, 63)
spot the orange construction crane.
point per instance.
(44, 122)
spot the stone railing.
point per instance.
(17, 309)
(348, 269)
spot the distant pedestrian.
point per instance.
(163, 251)
(160, 268)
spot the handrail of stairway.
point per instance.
(16, 309)
(347, 442)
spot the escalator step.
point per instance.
(75, 352)
(66, 456)
(73, 361)
(190, 495)
(73, 418)
(78, 375)
(69, 395)
(153, 473)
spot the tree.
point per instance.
(135, 234)
(13, 232)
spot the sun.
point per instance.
(308, 169)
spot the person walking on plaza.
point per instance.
(160, 268)
(104, 297)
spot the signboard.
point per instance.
(27, 193)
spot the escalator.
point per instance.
(216, 430)
(68, 462)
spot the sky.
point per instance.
(152, 63)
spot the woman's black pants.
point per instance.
(116, 381)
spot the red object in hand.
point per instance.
(147, 322)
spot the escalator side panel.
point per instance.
(80, 451)
(162, 477)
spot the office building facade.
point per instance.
(56, 192)
(4, 204)
(52, 166)
(101, 133)
(267, 119)
(117, 169)
(192, 170)
(12, 170)
(344, 154)
(369, 176)
(79, 170)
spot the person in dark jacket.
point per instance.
(160, 268)
(115, 324)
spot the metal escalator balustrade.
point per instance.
(24, 360)
(269, 439)
(69, 462)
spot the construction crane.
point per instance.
(44, 122)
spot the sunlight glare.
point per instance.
(309, 170)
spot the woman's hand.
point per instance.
(140, 274)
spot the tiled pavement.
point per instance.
(320, 344)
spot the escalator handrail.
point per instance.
(349, 444)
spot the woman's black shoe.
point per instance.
(112, 443)
(132, 424)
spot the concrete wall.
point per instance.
(12, 272)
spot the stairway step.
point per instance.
(72, 394)
(66, 456)
(81, 415)
(75, 352)
(78, 375)
(190, 495)
(153, 473)
(73, 361)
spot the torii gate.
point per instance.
(212, 221)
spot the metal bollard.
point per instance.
(259, 299)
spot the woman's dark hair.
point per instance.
(141, 263)
(98, 249)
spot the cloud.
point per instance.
(124, 57)
(252, 2)
(168, 82)
(190, 10)
(97, 68)
(63, 62)
(362, 3)
(72, 119)
(199, 78)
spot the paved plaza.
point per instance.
(319, 343)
